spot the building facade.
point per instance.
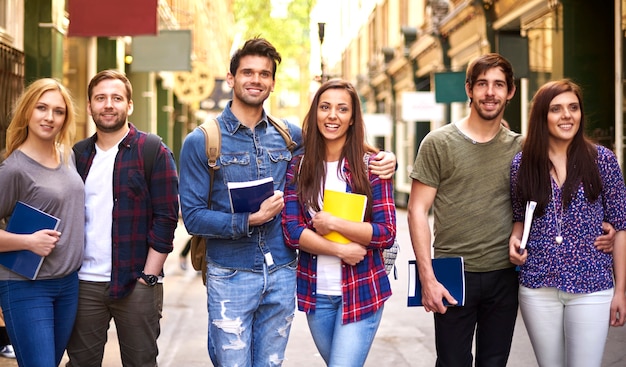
(36, 42)
(409, 46)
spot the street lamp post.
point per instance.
(320, 32)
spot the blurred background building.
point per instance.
(170, 50)
(175, 52)
(406, 57)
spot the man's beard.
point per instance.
(119, 123)
(491, 115)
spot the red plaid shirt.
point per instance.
(143, 216)
(365, 287)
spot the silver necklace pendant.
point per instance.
(558, 239)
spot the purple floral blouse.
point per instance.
(575, 265)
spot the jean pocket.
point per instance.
(293, 264)
(218, 272)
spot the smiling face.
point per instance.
(253, 82)
(564, 116)
(48, 116)
(109, 107)
(334, 115)
(489, 94)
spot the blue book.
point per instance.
(449, 271)
(26, 220)
(246, 197)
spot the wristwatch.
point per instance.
(150, 279)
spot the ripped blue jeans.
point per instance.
(250, 315)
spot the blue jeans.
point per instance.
(39, 316)
(341, 345)
(250, 315)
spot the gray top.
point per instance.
(57, 191)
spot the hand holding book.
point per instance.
(42, 227)
(268, 210)
(528, 220)
(344, 205)
(44, 241)
(247, 196)
(449, 271)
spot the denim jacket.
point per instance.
(245, 155)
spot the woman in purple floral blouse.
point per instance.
(570, 291)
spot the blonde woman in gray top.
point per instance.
(39, 170)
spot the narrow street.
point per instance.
(404, 339)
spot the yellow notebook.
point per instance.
(344, 205)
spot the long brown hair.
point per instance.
(534, 173)
(313, 168)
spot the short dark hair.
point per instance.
(485, 62)
(110, 74)
(258, 47)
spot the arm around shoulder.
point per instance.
(294, 221)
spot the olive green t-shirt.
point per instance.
(472, 207)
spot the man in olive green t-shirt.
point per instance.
(462, 171)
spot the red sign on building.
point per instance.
(112, 18)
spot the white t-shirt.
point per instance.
(99, 217)
(329, 267)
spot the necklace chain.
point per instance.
(558, 218)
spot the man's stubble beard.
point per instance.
(119, 124)
(489, 116)
(250, 101)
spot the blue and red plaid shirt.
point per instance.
(143, 217)
(365, 286)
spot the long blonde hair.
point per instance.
(17, 132)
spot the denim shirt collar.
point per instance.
(232, 123)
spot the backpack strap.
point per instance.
(150, 151)
(213, 146)
(283, 129)
(213, 143)
(80, 147)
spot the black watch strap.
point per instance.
(150, 279)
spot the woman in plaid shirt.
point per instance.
(341, 287)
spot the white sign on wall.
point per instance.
(421, 106)
(377, 124)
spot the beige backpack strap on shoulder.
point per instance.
(282, 128)
(213, 142)
(213, 145)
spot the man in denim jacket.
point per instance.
(251, 277)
